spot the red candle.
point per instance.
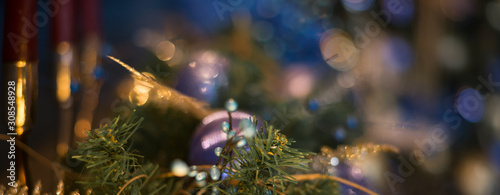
(91, 16)
(63, 28)
(21, 30)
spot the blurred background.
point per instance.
(423, 76)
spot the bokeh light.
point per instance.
(325, 72)
(452, 53)
(401, 12)
(334, 161)
(339, 133)
(357, 5)
(338, 50)
(165, 50)
(179, 168)
(398, 54)
(262, 31)
(470, 105)
(300, 81)
(346, 80)
(139, 94)
(203, 77)
(476, 176)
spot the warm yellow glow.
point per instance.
(80, 126)
(21, 64)
(62, 149)
(21, 112)
(164, 94)
(63, 77)
(165, 50)
(149, 75)
(19, 87)
(63, 83)
(139, 94)
(19, 130)
(89, 60)
(63, 48)
(20, 104)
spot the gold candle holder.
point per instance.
(22, 76)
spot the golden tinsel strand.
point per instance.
(37, 189)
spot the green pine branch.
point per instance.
(110, 163)
(261, 166)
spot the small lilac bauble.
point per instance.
(209, 135)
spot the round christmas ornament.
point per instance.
(209, 135)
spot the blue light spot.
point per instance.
(74, 86)
(339, 134)
(399, 13)
(98, 72)
(357, 5)
(399, 54)
(313, 105)
(352, 122)
(470, 105)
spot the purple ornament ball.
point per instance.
(209, 135)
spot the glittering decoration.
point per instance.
(230, 134)
(347, 162)
(215, 191)
(60, 188)
(354, 152)
(74, 193)
(231, 105)
(244, 123)
(192, 171)
(249, 131)
(179, 168)
(241, 143)
(334, 161)
(163, 96)
(201, 176)
(217, 151)
(209, 136)
(37, 189)
(225, 126)
(214, 173)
